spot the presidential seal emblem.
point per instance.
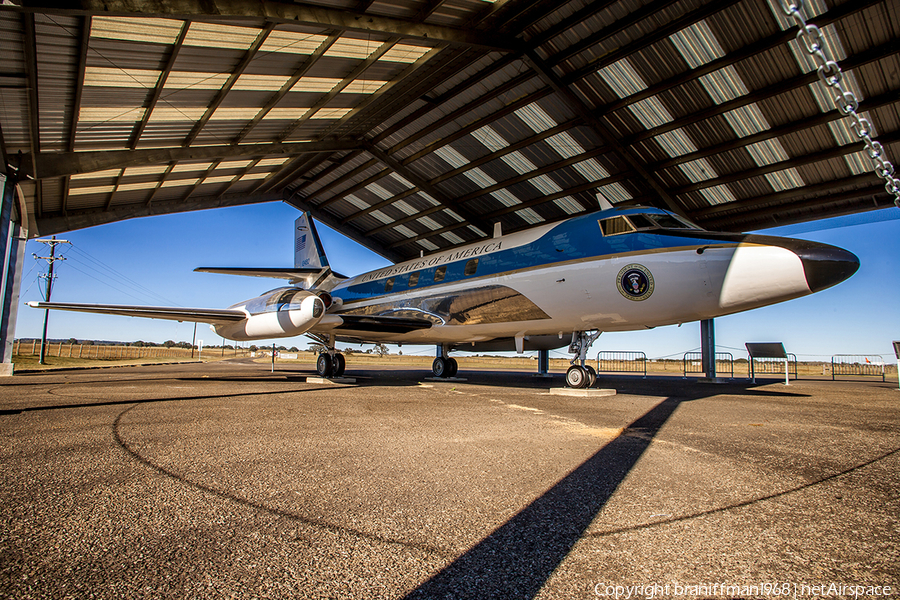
(635, 282)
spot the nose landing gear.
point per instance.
(580, 375)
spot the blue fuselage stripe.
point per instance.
(572, 240)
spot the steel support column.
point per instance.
(543, 362)
(708, 347)
(12, 251)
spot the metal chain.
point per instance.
(845, 100)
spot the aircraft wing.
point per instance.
(200, 315)
(382, 324)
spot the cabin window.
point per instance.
(389, 285)
(641, 222)
(471, 267)
(440, 273)
(414, 279)
(616, 226)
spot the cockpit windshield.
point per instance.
(643, 222)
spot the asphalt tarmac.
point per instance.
(224, 480)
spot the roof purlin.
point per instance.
(603, 131)
(83, 46)
(852, 62)
(281, 13)
(433, 191)
(59, 164)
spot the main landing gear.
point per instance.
(579, 374)
(443, 365)
(330, 363)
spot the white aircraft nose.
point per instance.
(764, 270)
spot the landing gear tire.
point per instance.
(440, 368)
(340, 364)
(324, 365)
(577, 377)
(452, 367)
(592, 375)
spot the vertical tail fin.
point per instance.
(308, 250)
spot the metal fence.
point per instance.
(857, 365)
(773, 366)
(113, 352)
(693, 363)
(619, 361)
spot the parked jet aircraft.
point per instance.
(542, 288)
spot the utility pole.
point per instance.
(52, 242)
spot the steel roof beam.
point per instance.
(76, 104)
(431, 147)
(863, 199)
(575, 18)
(644, 41)
(350, 232)
(89, 218)
(511, 209)
(160, 85)
(758, 47)
(797, 161)
(29, 45)
(852, 62)
(364, 117)
(425, 186)
(281, 178)
(606, 134)
(60, 164)
(520, 179)
(732, 209)
(633, 17)
(433, 103)
(775, 132)
(283, 13)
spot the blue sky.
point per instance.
(151, 261)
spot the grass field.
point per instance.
(64, 356)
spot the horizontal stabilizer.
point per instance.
(200, 315)
(309, 277)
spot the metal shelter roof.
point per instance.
(415, 125)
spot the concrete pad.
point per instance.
(342, 380)
(583, 393)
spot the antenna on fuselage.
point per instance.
(603, 202)
(498, 229)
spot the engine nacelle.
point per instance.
(284, 312)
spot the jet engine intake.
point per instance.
(285, 312)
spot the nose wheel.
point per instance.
(581, 375)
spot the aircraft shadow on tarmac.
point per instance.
(517, 559)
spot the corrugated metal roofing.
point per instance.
(430, 121)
